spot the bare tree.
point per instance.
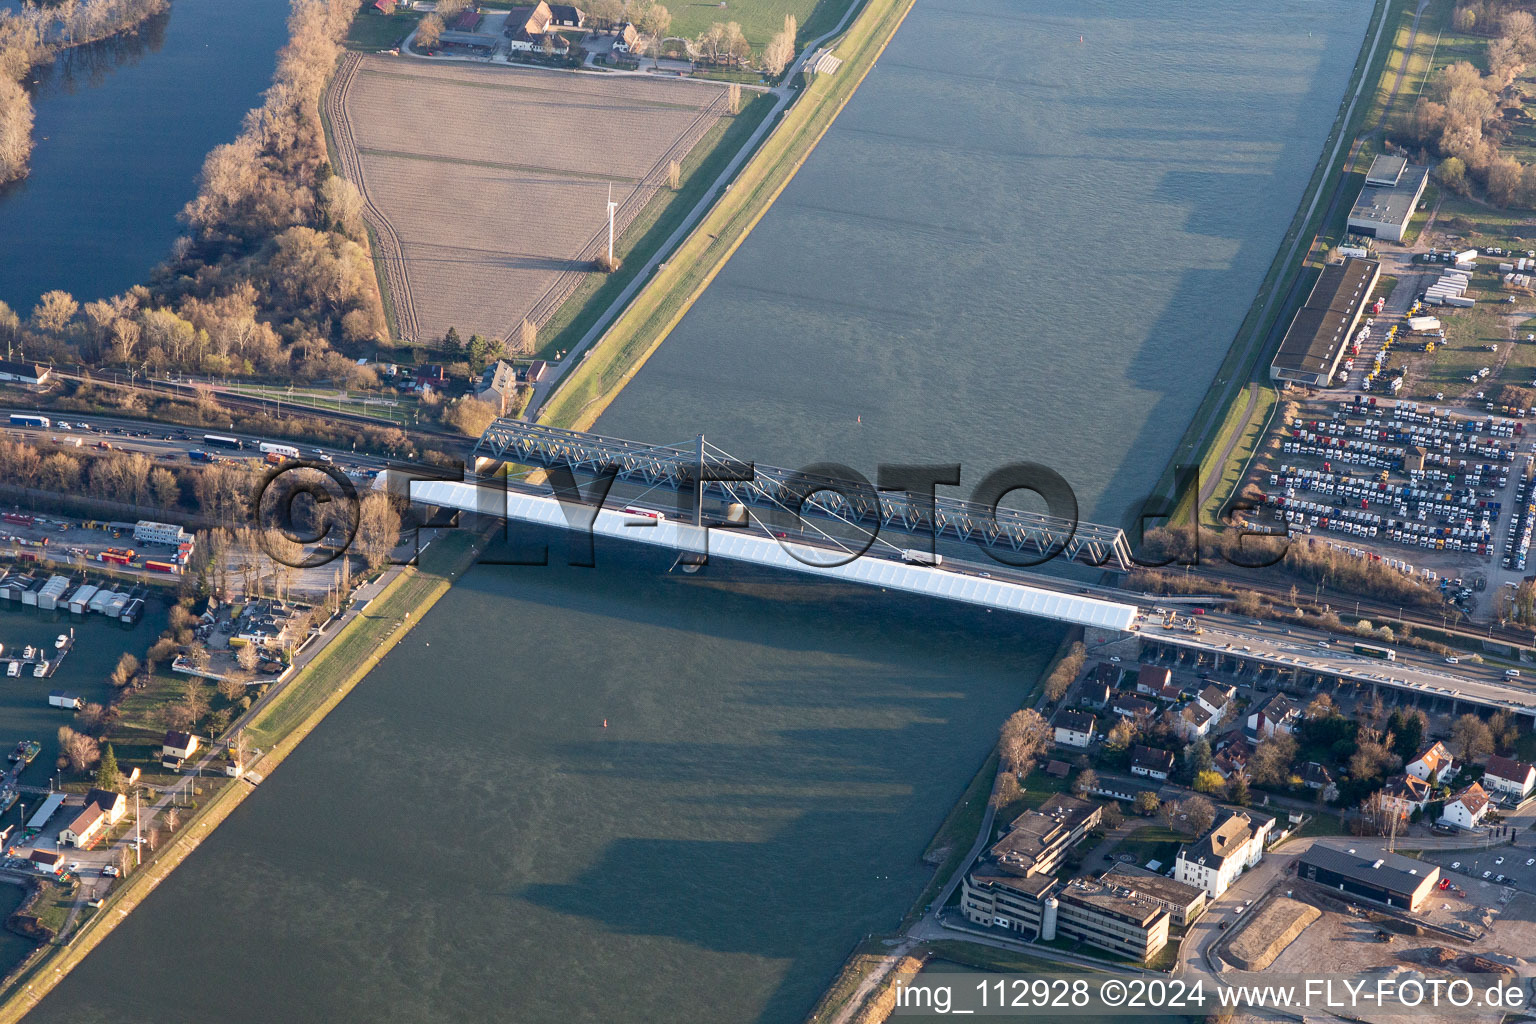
(781, 48)
(79, 750)
(430, 32)
(1024, 736)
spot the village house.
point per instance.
(113, 805)
(176, 748)
(1466, 809)
(1195, 722)
(1278, 714)
(498, 385)
(1215, 699)
(1434, 766)
(85, 828)
(625, 39)
(1509, 778)
(1094, 693)
(1405, 794)
(1150, 680)
(566, 16)
(1232, 758)
(1074, 728)
(1315, 775)
(1129, 706)
(1151, 762)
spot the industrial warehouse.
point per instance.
(1320, 333)
(1391, 194)
(1379, 877)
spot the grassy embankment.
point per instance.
(657, 308)
(1243, 361)
(278, 729)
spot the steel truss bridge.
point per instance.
(709, 472)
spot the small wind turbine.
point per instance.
(611, 207)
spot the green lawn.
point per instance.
(373, 31)
(1249, 433)
(1468, 333)
(650, 229)
(1155, 842)
(759, 19)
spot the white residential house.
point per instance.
(1466, 809)
(1195, 722)
(1278, 714)
(1234, 844)
(1151, 762)
(1074, 728)
(176, 748)
(1509, 778)
(1434, 766)
(1216, 699)
(1408, 793)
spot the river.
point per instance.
(122, 129)
(1012, 244)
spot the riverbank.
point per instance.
(1279, 292)
(39, 35)
(618, 354)
(282, 722)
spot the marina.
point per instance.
(30, 589)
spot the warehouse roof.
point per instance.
(1396, 874)
(1390, 204)
(1386, 169)
(1317, 336)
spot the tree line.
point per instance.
(32, 36)
(1468, 115)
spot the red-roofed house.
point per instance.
(1434, 765)
(1467, 808)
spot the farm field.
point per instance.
(487, 187)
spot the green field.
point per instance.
(372, 31)
(759, 19)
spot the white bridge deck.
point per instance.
(751, 545)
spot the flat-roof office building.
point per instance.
(1392, 191)
(1319, 336)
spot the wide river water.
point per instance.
(1012, 244)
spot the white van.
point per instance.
(1511, 673)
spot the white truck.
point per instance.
(1423, 323)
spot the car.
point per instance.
(1498, 878)
(1497, 861)
(111, 871)
(1487, 874)
(1455, 865)
(74, 866)
(1115, 658)
(1453, 661)
(1255, 622)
